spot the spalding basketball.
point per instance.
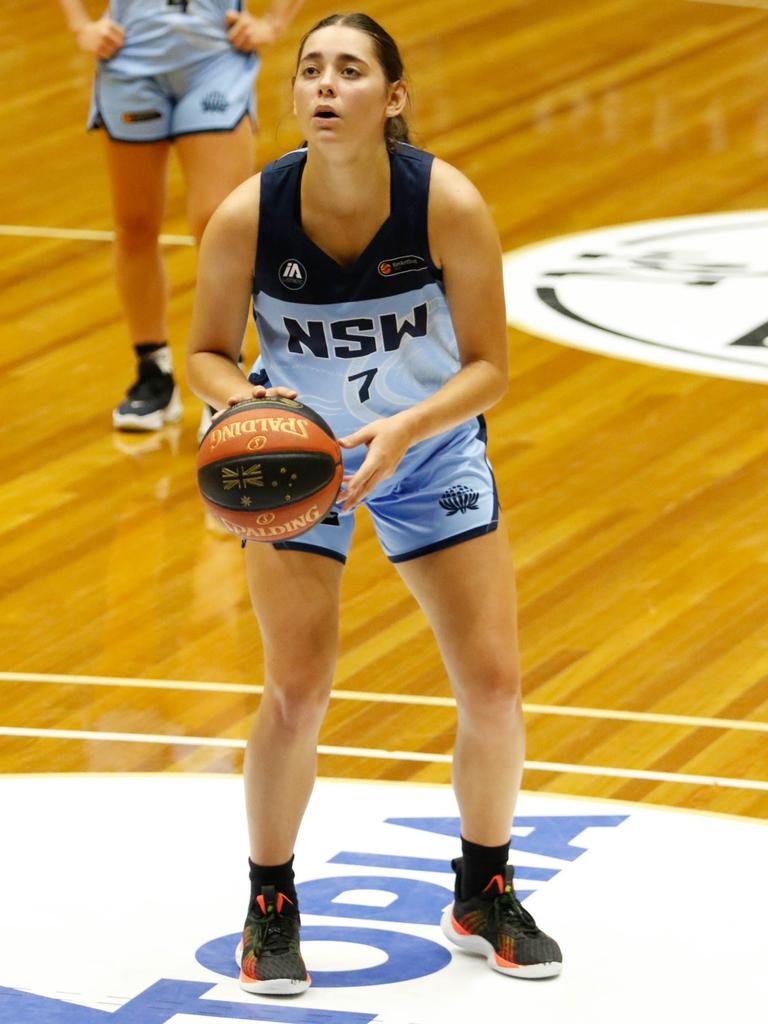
(269, 469)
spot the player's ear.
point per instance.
(398, 97)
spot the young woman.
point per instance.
(375, 276)
(168, 72)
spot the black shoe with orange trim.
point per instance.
(496, 925)
(268, 954)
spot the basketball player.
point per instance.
(168, 72)
(375, 276)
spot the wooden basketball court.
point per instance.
(636, 497)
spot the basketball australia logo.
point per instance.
(292, 275)
(685, 293)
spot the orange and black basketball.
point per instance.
(269, 469)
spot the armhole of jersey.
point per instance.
(259, 231)
(433, 268)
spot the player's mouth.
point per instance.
(325, 113)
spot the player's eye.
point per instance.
(309, 71)
(350, 72)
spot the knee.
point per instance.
(492, 694)
(136, 231)
(298, 686)
(297, 705)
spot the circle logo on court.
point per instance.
(686, 293)
(293, 275)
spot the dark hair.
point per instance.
(387, 54)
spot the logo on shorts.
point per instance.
(401, 265)
(459, 499)
(292, 275)
(214, 102)
(136, 116)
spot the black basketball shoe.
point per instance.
(496, 925)
(268, 954)
(151, 401)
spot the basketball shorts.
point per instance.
(211, 95)
(443, 493)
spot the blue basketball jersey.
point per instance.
(162, 35)
(358, 342)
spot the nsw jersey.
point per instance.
(356, 342)
(163, 36)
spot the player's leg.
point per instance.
(135, 114)
(295, 597)
(467, 592)
(137, 173)
(213, 164)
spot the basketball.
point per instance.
(269, 469)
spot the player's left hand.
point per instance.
(387, 440)
(247, 33)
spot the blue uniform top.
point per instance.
(359, 342)
(163, 36)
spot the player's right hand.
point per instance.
(259, 391)
(103, 38)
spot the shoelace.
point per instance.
(507, 905)
(275, 935)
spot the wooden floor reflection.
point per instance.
(635, 496)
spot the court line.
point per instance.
(385, 755)
(392, 698)
(79, 234)
(757, 5)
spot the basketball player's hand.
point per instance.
(387, 441)
(249, 393)
(247, 33)
(102, 38)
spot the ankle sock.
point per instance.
(279, 875)
(159, 352)
(478, 866)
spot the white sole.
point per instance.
(273, 987)
(481, 947)
(152, 421)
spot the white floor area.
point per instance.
(120, 898)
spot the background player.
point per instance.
(168, 73)
(378, 298)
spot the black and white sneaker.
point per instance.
(497, 926)
(151, 401)
(268, 955)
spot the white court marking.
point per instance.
(78, 234)
(85, 735)
(138, 905)
(650, 717)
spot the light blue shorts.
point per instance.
(211, 95)
(443, 493)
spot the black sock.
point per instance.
(148, 348)
(279, 875)
(478, 866)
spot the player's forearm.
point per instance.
(214, 377)
(75, 13)
(282, 12)
(477, 386)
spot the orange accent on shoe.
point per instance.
(282, 898)
(457, 927)
(498, 881)
(505, 963)
(262, 904)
